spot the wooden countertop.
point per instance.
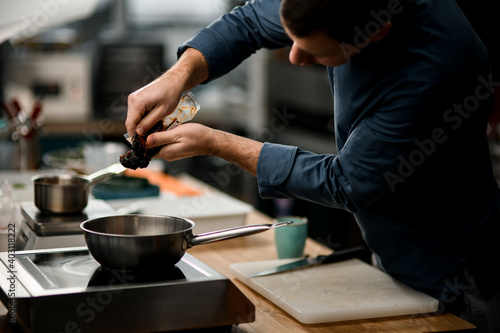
(270, 318)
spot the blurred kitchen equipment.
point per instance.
(86, 158)
(101, 154)
(146, 242)
(63, 79)
(66, 159)
(8, 207)
(125, 187)
(27, 18)
(52, 283)
(69, 193)
(21, 135)
(123, 66)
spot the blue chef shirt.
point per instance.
(410, 121)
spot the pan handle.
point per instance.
(215, 236)
(105, 174)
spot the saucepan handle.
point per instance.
(215, 236)
(105, 174)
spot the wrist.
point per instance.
(238, 150)
(191, 69)
(215, 143)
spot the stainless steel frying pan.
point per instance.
(151, 242)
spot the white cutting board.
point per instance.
(346, 290)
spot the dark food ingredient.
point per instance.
(139, 156)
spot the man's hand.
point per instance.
(192, 139)
(158, 99)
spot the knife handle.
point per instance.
(342, 255)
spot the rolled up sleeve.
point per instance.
(351, 180)
(273, 168)
(235, 36)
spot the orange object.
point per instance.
(166, 182)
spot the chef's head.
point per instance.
(331, 32)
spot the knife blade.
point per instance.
(336, 256)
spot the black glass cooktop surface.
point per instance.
(74, 270)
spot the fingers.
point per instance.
(152, 140)
(173, 148)
(166, 137)
(134, 114)
(150, 119)
(139, 104)
(183, 141)
(150, 104)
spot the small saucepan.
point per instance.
(67, 193)
(151, 242)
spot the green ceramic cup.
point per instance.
(290, 240)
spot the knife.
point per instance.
(336, 256)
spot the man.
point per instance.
(412, 93)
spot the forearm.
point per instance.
(238, 150)
(191, 69)
(193, 139)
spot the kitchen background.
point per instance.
(83, 72)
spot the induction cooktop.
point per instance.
(58, 290)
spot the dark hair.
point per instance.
(340, 19)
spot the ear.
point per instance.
(381, 33)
